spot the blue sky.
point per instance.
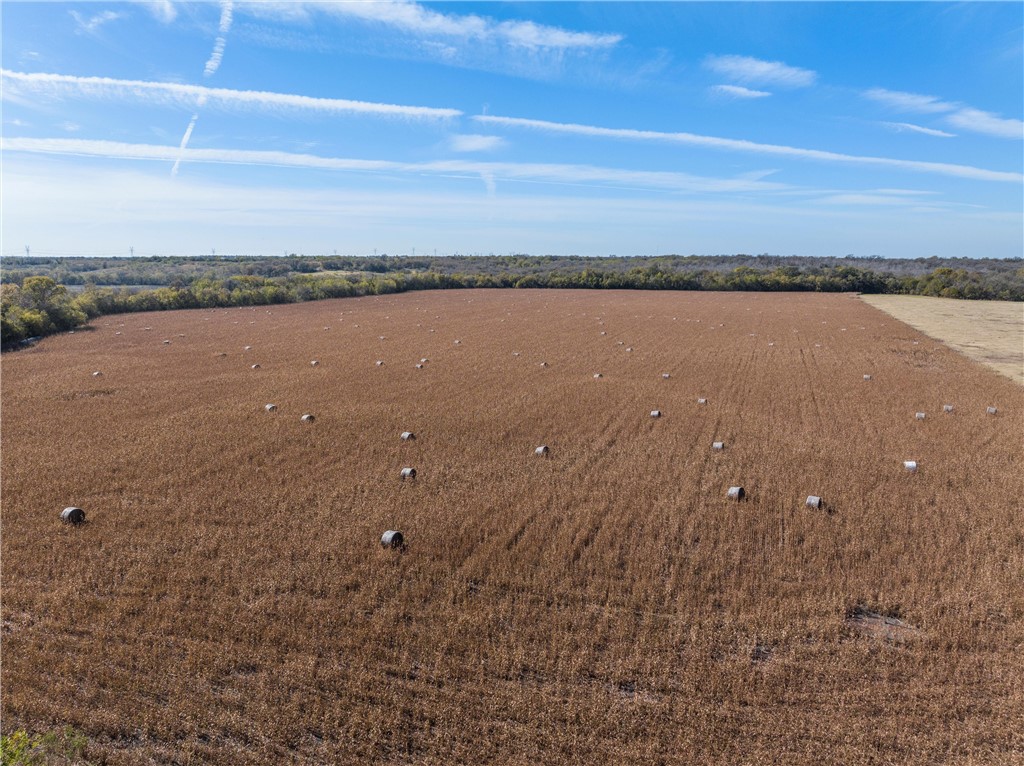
(889, 129)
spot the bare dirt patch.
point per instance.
(991, 332)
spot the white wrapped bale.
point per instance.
(408, 473)
(655, 413)
(718, 446)
(867, 377)
(270, 407)
(910, 465)
(813, 501)
(307, 418)
(665, 375)
(597, 376)
(541, 451)
(314, 363)
(947, 407)
(991, 410)
(919, 415)
(72, 515)
(736, 493)
(408, 436)
(255, 367)
(702, 401)
(392, 539)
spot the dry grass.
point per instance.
(228, 600)
(991, 332)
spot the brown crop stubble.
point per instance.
(228, 599)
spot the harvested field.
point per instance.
(991, 332)
(229, 601)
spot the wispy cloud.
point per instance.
(226, 14)
(908, 102)
(585, 175)
(93, 23)
(70, 127)
(985, 122)
(758, 72)
(737, 91)
(942, 168)
(901, 127)
(476, 143)
(163, 10)
(956, 114)
(176, 94)
(416, 19)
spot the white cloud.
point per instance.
(985, 122)
(738, 91)
(226, 15)
(93, 23)
(476, 143)
(750, 70)
(18, 84)
(908, 102)
(71, 127)
(163, 10)
(901, 127)
(942, 168)
(586, 175)
(419, 20)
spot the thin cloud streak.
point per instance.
(908, 102)
(901, 127)
(738, 91)
(942, 168)
(985, 122)
(756, 71)
(177, 94)
(535, 172)
(956, 114)
(416, 19)
(184, 143)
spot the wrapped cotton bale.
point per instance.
(408, 436)
(381, 337)
(314, 363)
(307, 418)
(392, 539)
(622, 343)
(541, 451)
(270, 407)
(408, 473)
(947, 407)
(910, 465)
(655, 413)
(515, 353)
(458, 343)
(72, 515)
(603, 332)
(736, 493)
(247, 348)
(597, 376)
(665, 375)
(380, 362)
(991, 410)
(167, 343)
(424, 360)
(867, 377)
(543, 364)
(255, 367)
(97, 374)
(718, 446)
(813, 501)
(702, 401)
(919, 415)
(629, 349)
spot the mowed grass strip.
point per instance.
(229, 600)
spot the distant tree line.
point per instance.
(37, 304)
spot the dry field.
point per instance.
(992, 332)
(228, 601)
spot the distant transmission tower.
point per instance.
(131, 250)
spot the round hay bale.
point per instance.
(72, 515)
(380, 362)
(424, 360)
(655, 413)
(541, 451)
(255, 367)
(307, 418)
(408, 436)
(408, 473)
(919, 415)
(947, 407)
(97, 374)
(736, 493)
(665, 375)
(167, 343)
(247, 348)
(910, 465)
(813, 501)
(867, 377)
(597, 375)
(629, 349)
(270, 407)
(314, 363)
(543, 364)
(458, 343)
(603, 332)
(718, 446)
(392, 539)
(991, 410)
(702, 401)
(419, 366)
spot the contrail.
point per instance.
(216, 55)
(226, 13)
